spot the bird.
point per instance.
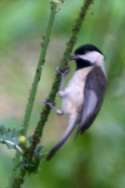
(83, 96)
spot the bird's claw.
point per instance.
(49, 103)
(59, 112)
(62, 71)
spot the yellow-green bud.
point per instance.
(56, 1)
(22, 140)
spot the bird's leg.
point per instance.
(63, 72)
(53, 107)
(49, 103)
(59, 112)
(62, 93)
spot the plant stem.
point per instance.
(41, 62)
(17, 176)
(56, 84)
(18, 179)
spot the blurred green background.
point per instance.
(96, 159)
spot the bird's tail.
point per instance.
(68, 132)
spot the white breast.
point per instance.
(74, 91)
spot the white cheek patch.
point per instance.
(95, 58)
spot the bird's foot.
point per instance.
(52, 105)
(59, 112)
(61, 93)
(62, 71)
(49, 103)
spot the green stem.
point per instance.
(56, 84)
(17, 177)
(41, 62)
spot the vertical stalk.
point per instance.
(18, 174)
(44, 47)
(63, 65)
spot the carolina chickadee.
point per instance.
(83, 96)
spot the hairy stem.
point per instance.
(18, 179)
(56, 84)
(17, 176)
(44, 47)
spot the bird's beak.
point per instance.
(73, 57)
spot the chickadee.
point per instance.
(83, 96)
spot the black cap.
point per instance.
(86, 48)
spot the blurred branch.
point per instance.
(37, 77)
(18, 178)
(56, 84)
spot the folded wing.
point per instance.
(93, 97)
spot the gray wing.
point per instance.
(93, 97)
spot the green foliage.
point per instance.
(10, 138)
(97, 158)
